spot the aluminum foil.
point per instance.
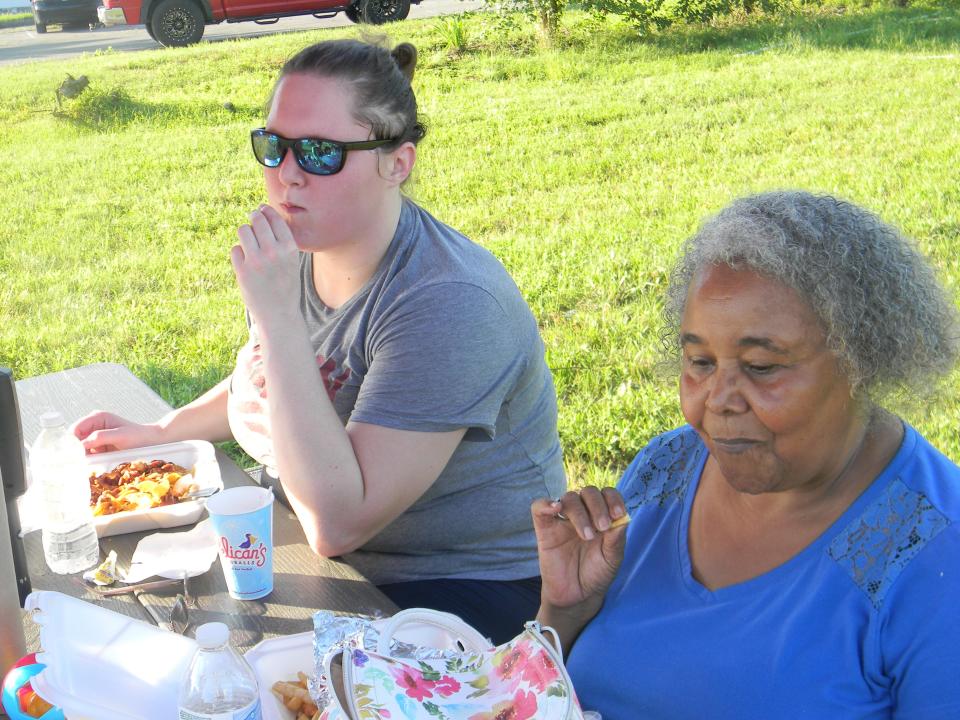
(331, 634)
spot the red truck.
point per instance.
(181, 22)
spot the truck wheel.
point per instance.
(40, 26)
(378, 12)
(352, 13)
(176, 23)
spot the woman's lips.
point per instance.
(291, 209)
(734, 445)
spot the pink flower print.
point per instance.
(522, 707)
(413, 682)
(509, 667)
(540, 671)
(447, 686)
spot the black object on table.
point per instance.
(13, 473)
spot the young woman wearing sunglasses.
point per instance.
(394, 380)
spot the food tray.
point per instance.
(198, 456)
(280, 659)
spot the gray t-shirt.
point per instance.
(439, 339)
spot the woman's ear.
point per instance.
(396, 165)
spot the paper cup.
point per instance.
(242, 517)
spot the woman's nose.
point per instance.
(724, 395)
(289, 171)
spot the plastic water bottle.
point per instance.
(218, 685)
(57, 463)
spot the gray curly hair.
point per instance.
(885, 316)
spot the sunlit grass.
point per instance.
(582, 167)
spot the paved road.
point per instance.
(18, 45)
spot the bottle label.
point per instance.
(250, 712)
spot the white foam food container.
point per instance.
(279, 659)
(198, 456)
(102, 665)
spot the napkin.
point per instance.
(174, 555)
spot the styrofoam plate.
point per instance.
(280, 659)
(198, 456)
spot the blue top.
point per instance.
(862, 623)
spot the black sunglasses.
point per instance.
(315, 155)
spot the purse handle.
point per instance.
(433, 628)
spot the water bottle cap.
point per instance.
(213, 634)
(51, 418)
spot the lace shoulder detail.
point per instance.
(876, 546)
(661, 473)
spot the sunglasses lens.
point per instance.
(319, 157)
(267, 148)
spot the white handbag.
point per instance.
(455, 674)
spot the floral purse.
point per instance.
(523, 679)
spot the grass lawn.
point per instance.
(582, 167)
(15, 18)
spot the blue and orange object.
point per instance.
(20, 701)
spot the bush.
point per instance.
(546, 13)
(661, 13)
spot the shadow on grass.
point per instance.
(918, 28)
(932, 26)
(99, 110)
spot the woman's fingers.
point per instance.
(266, 236)
(615, 506)
(98, 420)
(547, 521)
(262, 229)
(590, 512)
(248, 241)
(278, 226)
(237, 256)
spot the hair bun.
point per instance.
(405, 55)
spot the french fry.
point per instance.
(620, 521)
(296, 697)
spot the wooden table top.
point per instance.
(303, 581)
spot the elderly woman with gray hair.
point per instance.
(794, 551)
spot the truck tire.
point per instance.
(353, 13)
(378, 12)
(40, 26)
(175, 23)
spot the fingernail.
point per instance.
(603, 525)
(587, 534)
(617, 513)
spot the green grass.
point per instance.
(582, 166)
(9, 18)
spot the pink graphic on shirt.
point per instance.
(254, 368)
(332, 381)
(248, 409)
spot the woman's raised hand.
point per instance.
(105, 432)
(266, 263)
(579, 547)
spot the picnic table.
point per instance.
(303, 581)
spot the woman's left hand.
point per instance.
(266, 264)
(580, 543)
